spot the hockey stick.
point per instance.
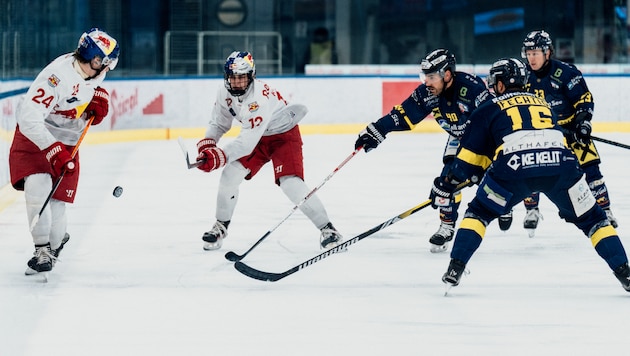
(618, 144)
(232, 256)
(594, 138)
(185, 150)
(273, 277)
(58, 181)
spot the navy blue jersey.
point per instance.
(515, 133)
(451, 110)
(564, 88)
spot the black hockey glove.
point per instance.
(583, 128)
(369, 138)
(442, 192)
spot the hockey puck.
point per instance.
(118, 191)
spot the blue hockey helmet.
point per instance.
(537, 40)
(510, 71)
(239, 63)
(439, 61)
(98, 44)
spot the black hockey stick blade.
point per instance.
(234, 257)
(273, 277)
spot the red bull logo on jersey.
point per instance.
(253, 107)
(53, 81)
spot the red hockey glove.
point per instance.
(212, 158)
(99, 106)
(205, 143)
(60, 159)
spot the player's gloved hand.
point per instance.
(442, 192)
(582, 133)
(369, 138)
(60, 159)
(99, 106)
(212, 156)
(205, 143)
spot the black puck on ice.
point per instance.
(117, 191)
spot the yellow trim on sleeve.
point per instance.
(404, 115)
(471, 157)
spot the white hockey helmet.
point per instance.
(239, 63)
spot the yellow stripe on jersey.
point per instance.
(400, 109)
(474, 225)
(602, 233)
(80, 109)
(474, 159)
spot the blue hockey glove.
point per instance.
(369, 138)
(583, 128)
(582, 134)
(442, 192)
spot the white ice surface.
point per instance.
(134, 280)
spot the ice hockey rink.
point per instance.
(134, 279)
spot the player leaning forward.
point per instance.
(450, 96)
(269, 132)
(50, 120)
(513, 140)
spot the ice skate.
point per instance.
(530, 223)
(505, 221)
(623, 275)
(330, 237)
(55, 252)
(456, 269)
(440, 240)
(42, 262)
(214, 238)
(611, 218)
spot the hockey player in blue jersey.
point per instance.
(513, 143)
(564, 88)
(450, 96)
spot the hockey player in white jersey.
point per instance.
(269, 132)
(51, 117)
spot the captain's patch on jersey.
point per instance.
(53, 80)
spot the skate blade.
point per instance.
(447, 289)
(531, 232)
(211, 246)
(43, 276)
(438, 248)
